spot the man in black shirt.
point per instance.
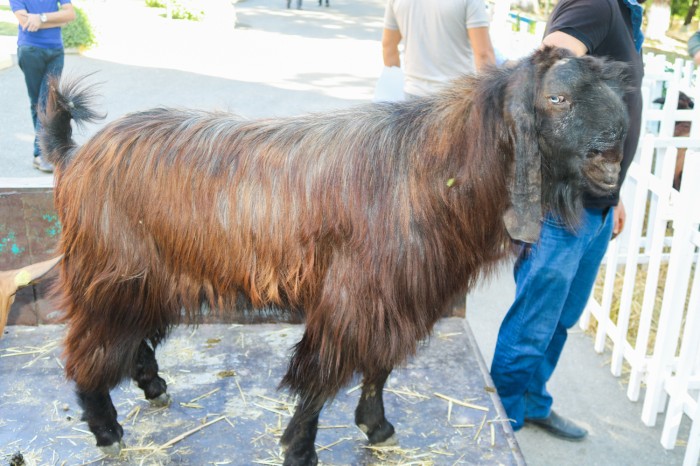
(554, 277)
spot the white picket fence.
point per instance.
(662, 232)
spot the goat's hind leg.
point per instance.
(300, 434)
(95, 366)
(101, 417)
(369, 414)
(145, 374)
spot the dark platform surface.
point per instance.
(227, 375)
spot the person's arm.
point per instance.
(565, 41)
(482, 47)
(32, 21)
(694, 47)
(390, 47)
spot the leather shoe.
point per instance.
(560, 427)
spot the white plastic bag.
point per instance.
(389, 85)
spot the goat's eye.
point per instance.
(557, 99)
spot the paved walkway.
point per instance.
(285, 62)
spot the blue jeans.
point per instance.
(38, 64)
(554, 279)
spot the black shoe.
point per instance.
(560, 427)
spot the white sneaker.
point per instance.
(42, 165)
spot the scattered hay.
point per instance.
(395, 455)
(39, 353)
(637, 302)
(206, 395)
(407, 394)
(159, 436)
(460, 403)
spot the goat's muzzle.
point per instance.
(602, 171)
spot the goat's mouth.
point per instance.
(602, 174)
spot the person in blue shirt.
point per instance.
(554, 277)
(40, 53)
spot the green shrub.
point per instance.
(78, 33)
(179, 9)
(155, 3)
(186, 9)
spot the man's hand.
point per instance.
(33, 23)
(27, 21)
(619, 218)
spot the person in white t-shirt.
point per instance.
(443, 39)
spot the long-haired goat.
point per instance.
(366, 221)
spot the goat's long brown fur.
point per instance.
(350, 218)
(367, 221)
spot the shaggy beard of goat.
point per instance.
(366, 221)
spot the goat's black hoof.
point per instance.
(390, 442)
(303, 458)
(112, 450)
(382, 435)
(161, 401)
(109, 437)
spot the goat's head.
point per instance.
(567, 123)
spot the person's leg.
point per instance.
(596, 226)
(54, 67)
(54, 59)
(31, 62)
(543, 279)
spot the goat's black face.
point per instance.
(582, 123)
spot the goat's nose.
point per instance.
(612, 155)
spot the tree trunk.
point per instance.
(691, 12)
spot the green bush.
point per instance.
(186, 9)
(155, 3)
(179, 9)
(78, 33)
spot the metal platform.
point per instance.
(226, 408)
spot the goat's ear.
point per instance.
(617, 75)
(523, 218)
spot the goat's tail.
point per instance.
(68, 100)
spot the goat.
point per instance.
(320, 3)
(681, 129)
(367, 221)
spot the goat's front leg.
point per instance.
(145, 374)
(300, 434)
(101, 417)
(369, 414)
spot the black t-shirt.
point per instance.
(605, 28)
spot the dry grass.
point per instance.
(637, 302)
